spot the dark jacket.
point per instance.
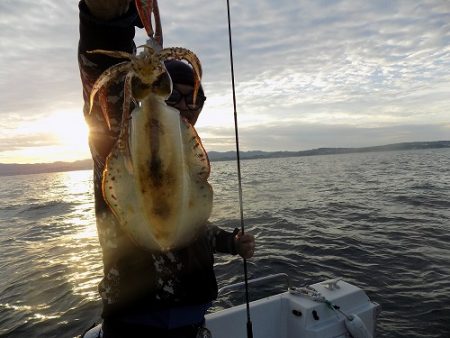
(136, 280)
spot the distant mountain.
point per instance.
(37, 168)
(24, 169)
(231, 155)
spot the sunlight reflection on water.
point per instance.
(56, 253)
(369, 218)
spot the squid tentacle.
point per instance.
(108, 75)
(179, 53)
(158, 36)
(145, 10)
(123, 142)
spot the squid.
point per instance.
(155, 179)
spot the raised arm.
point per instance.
(110, 28)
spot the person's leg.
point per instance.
(117, 329)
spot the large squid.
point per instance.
(155, 178)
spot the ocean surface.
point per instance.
(378, 220)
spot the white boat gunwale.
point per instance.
(294, 313)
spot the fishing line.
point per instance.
(238, 162)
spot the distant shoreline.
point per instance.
(38, 168)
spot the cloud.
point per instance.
(38, 42)
(360, 65)
(294, 137)
(8, 144)
(372, 62)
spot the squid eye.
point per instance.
(139, 88)
(174, 98)
(163, 85)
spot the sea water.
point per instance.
(378, 220)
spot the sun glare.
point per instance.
(70, 133)
(63, 136)
(69, 128)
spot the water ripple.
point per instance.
(378, 220)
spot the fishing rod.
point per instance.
(238, 161)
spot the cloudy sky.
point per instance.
(308, 74)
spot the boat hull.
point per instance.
(289, 315)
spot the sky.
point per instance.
(308, 74)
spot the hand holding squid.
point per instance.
(107, 9)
